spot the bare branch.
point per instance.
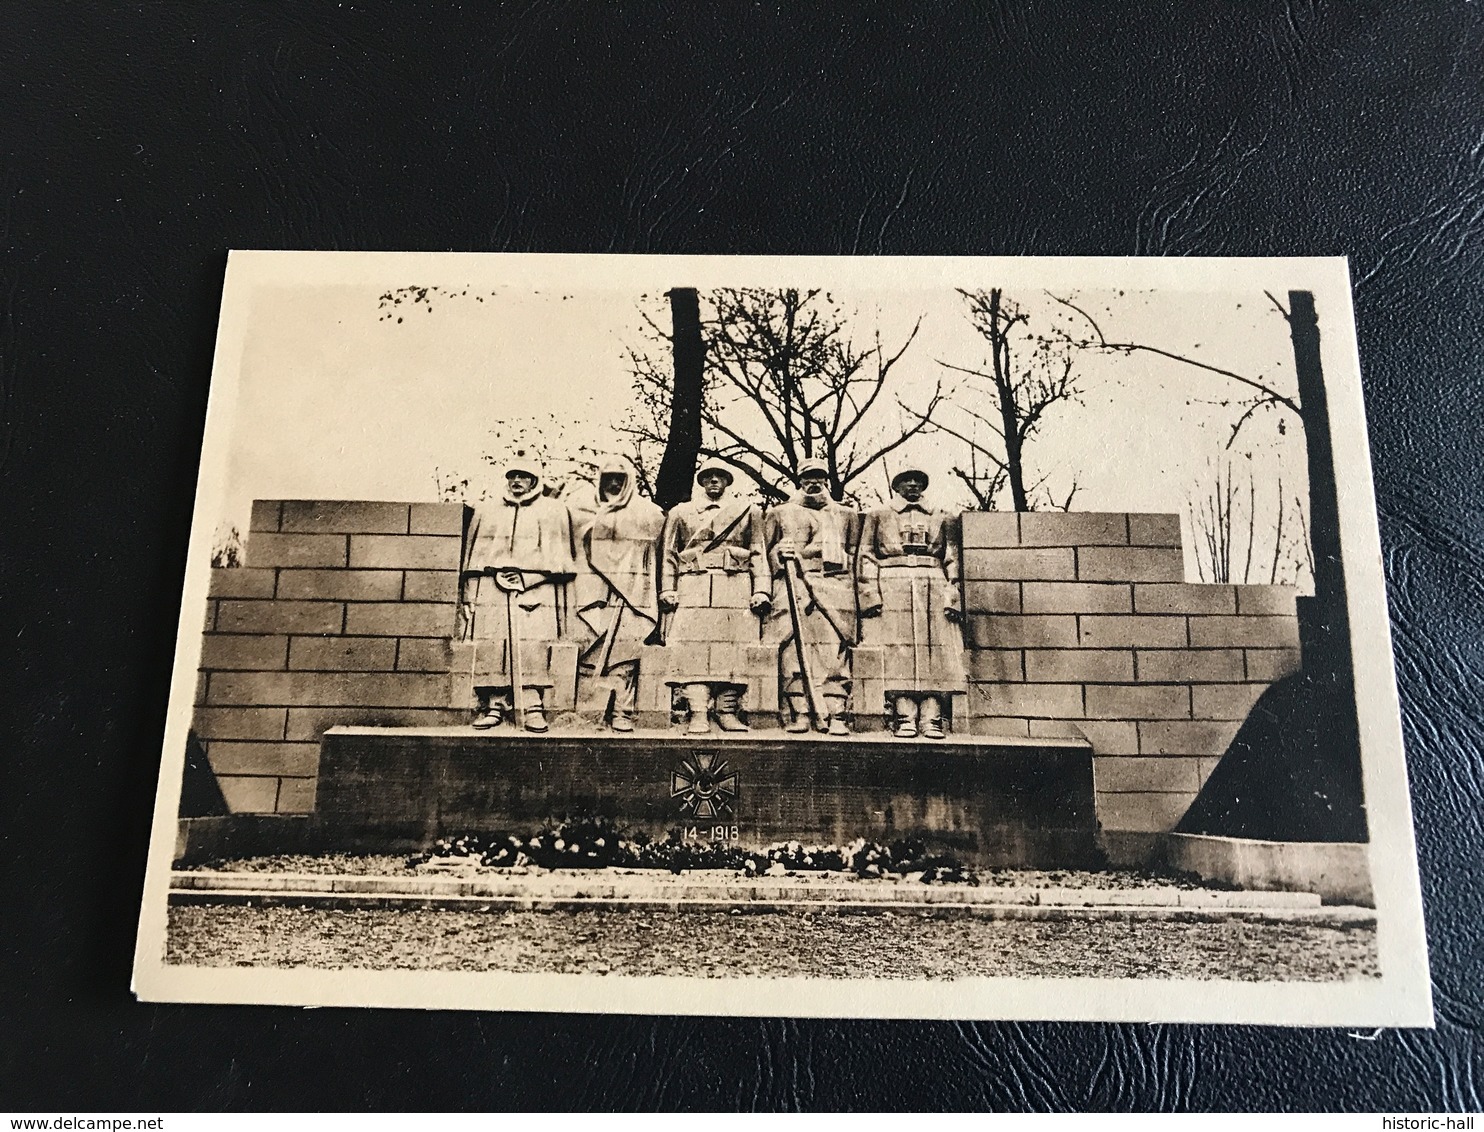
(1259, 403)
(975, 446)
(983, 499)
(1278, 535)
(924, 420)
(1131, 347)
(783, 382)
(883, 369)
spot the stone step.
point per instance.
(1326, 916)
(630, 887)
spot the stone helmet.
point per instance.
(522, 461)
(896, 479)
(718, 466)
(815, 465)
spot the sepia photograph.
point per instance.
(882, 637)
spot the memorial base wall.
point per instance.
(989, 804)
(1079, 629)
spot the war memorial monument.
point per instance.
(787, 645)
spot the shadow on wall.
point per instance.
(200, 795)
(1292, 773)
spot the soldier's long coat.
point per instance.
(908, 567)
(535, 537)
(714, 561)
(618, 553)
(824, 586)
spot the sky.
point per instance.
(343, 394)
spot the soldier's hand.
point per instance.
(871, 611)
(760, 603)
(511, 581)
(787, 548)
(669, 601)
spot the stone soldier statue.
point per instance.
(616, 591)
(811, 543)
(519, 558)
(714, 576)
(908, 587)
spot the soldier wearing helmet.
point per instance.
(908, 582)
(814, 538)
(519, 556)
(714, 578)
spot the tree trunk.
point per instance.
(999, 348)
(672, 484)
(1293, 771)
(1324, 503)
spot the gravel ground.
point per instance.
(342, 864)
(764, 945)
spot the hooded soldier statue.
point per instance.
(811, 542)
(908, 581)
(616, 591)
(519, 558)
(714, 577)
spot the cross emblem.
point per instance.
(704, 785)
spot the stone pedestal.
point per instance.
(989, 802)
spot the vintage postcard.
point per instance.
(882, 637)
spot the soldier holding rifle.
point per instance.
(811, 543)
(519, 557)
(713, 577)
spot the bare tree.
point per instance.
(1229, 545)
(1210, 516)
(672, 482)
(1026, 373)
(784, 381)
(1294, 769)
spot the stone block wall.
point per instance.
(342, 614)
(1079, 626)
(1082, 625)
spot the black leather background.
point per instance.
(139, 142)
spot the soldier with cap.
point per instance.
(616, 591)
(811, 541)
(908, 582)
(713, 577)
(519, 556)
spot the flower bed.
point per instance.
(596, 843)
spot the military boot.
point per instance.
(491, 713)
(728, 704)
(533, 714)
(698, 699)
(835, 715)
(906, 712)
(798, 714)
(930, 717)
(626, 696)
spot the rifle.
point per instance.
(517, 682)
(805, 676)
